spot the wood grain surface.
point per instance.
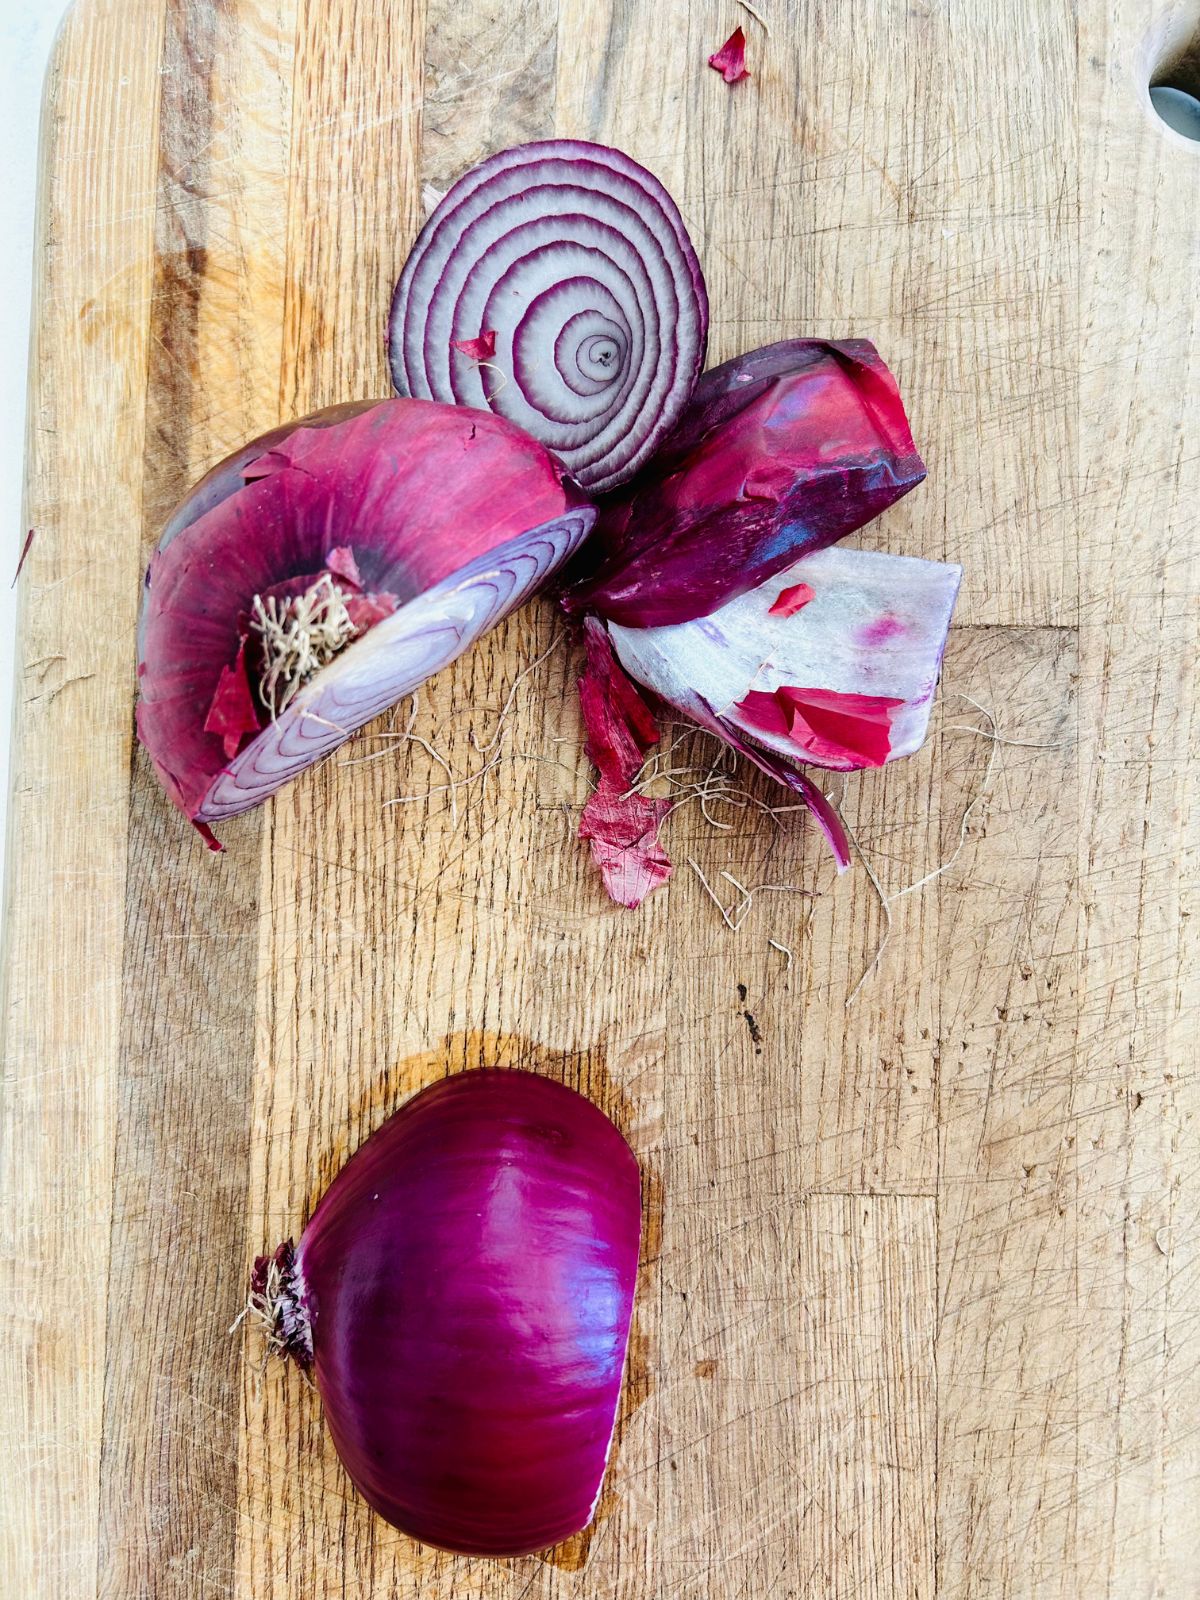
(920, 1306)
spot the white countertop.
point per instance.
(27, 30)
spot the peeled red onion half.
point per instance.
(326, 570)
(556, 285)
(462, 1299)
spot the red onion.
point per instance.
(780, 452)
(711, 592)
(462, 1298)
(573, 263)
(845, 681)
(324, 571)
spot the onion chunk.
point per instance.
(462, 1298)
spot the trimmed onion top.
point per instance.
(578, 261)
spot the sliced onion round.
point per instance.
(577, 259)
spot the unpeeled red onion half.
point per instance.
(326, 570)
(556, 285)
(462, 1299)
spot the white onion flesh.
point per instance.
(876, 626)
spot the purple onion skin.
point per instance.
(228, 476)
(779, 453)
(469, 1280)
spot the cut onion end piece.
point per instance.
(780, 452)
(463, 1297)
(844, 682)
(577, 266)
(392, 659)
(264, 643)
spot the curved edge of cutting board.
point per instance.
(68, 817)
(928, 1256)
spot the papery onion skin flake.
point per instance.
(577, 263)
(462, 1298)
(730, 59)
(621, 825)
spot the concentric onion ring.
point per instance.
(578, 260)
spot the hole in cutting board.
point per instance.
(1177, 108)
(1175, 81)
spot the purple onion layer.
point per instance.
(779, 453)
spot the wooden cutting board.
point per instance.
(920, 1309)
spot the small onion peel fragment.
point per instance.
(730, 59)
(481, 349)
(790, 600)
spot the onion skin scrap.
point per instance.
(714, 589)
(462, 1298)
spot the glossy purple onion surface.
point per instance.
(780, 452)
(570, 266)
(462, 1298)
